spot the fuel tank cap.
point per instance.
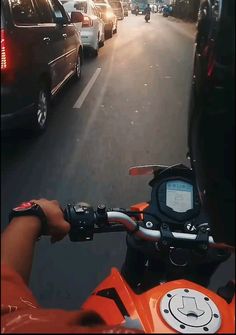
(190, 311)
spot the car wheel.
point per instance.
(101, 43)
(40, 115)
(110, 33)
(77, 75)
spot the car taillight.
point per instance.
(4, 61)
(87, 22)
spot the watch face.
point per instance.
(24, 206)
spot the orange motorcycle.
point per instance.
(171, 256)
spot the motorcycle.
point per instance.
(147, 17)
(171, 256)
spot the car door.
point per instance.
(58, 64)
(28, 51)
(73, 44)
(49, 36)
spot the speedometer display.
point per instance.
(179, 196)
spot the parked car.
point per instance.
(109, 19)
(118, 9)
(126, 8)
(160, 8)
(40, 50)
(154, 8)
(167, 10)
(92, 29)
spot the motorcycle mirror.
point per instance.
(144, 170)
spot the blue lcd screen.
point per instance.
(179, 196)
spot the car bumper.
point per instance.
(17, 119)
(108, 26)
(12, 115)
(88, 37)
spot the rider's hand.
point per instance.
(58, 228)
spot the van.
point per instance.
(40, 51)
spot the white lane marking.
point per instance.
(87, 89)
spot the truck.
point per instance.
(142, 4)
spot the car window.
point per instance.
(115, 4)
(2, 20)
(58, 13)
(70, 6)
(44, 10)
(103, 9)
(24, 12)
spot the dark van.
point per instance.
(40, 51)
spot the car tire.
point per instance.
(77, 74)
(41, 109)
(115, 31)
(110, 33)
(101, 43)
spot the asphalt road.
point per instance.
(135, 113)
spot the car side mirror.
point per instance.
(77, 17)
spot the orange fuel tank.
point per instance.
(152, 311)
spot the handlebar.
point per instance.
(148, 234)
(85, 221)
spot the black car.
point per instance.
(40, 51)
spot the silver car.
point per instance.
(92, 29)
(117, 9)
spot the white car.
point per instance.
(92, 28)
(154, 8)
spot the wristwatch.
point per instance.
(30, 208)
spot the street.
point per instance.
(130, 108)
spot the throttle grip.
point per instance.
(82, 219)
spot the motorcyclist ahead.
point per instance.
(147, 13)
(147, 10)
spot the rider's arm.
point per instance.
(17, 244)
(18, 239)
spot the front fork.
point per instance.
(142, 271)
(133, 269)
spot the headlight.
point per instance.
(109, 15)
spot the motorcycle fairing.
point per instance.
(117, 304)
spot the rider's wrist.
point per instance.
(29, 225)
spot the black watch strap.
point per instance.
(30, 208)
